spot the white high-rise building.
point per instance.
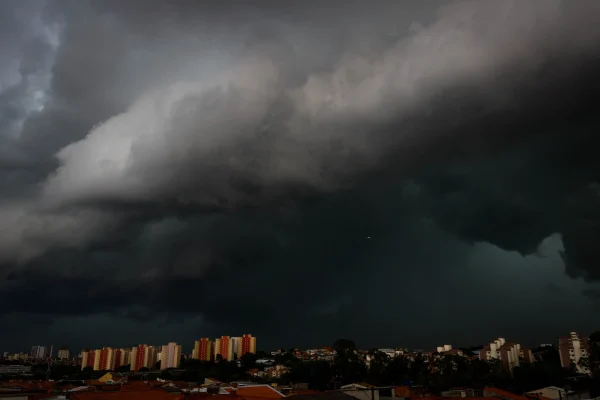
(572, 349)
(63, 353)
(38, 352)
(170, 356)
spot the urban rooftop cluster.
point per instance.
(225, 348)
(573, 350)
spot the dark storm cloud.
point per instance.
(265, 163)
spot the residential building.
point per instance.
(63, 353)
(85, 355)
(550, 392)
(444, 348)
(107, 359)
(361, 391)
(170, 356)
(236, 344)
(96, 359)
(121, 358)
(248, 345)
(143, 356)
(223, 348)
(203, 349)
(509, 354)
(38, 352)
(573, 351)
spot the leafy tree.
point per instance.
(262, 354)
(378, 363)
(347, 365)
(248, 361)
(124, 368)
(343, 346)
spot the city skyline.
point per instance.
(395, 172)
(210, 345)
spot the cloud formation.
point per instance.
(193, 147)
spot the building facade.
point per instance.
(63, 353)
(223, 348)
(573, 351)
(203, 349)
(510, 354)
(143, 356)
(170, 356)
(248, 345)
(38, 352)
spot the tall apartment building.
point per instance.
(509, 354)
(107, 359)
(248, 345)
(224, 347)
(444, 348)
(121, 357)
(203, 349)
(63, 353)
(143, 356)
(236, 344)
(571, 349)
(85, 355)
(38, 352)
(95, 357)
(170, 356)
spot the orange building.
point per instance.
(203, 350)
(248, 345)
(224, 348)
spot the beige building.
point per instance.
(170, 356)
(96, 359)
(573, 350)
(223, 348)
(203, 349)
(84, 359)
(509, 354)
(143, 356)
(248, 344)
(236, 343)
(63, 353)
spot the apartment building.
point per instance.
(510, 354)
(248, 345)
(63, 353)
(223, 348)
(106, 359)
(170, 356)
(143, 356)
(203, 349)
(572, 349)
(38, 352)
(122, 358)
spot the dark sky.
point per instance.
(393, 172)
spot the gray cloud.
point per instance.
(207, 159)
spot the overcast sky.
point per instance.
(401, 173)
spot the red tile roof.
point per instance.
(263, 391)
(499, 392)
(156, 394)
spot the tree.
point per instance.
(347, 365)
(377, 373)
(342, 346)
(124, 368)
(248, 361)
